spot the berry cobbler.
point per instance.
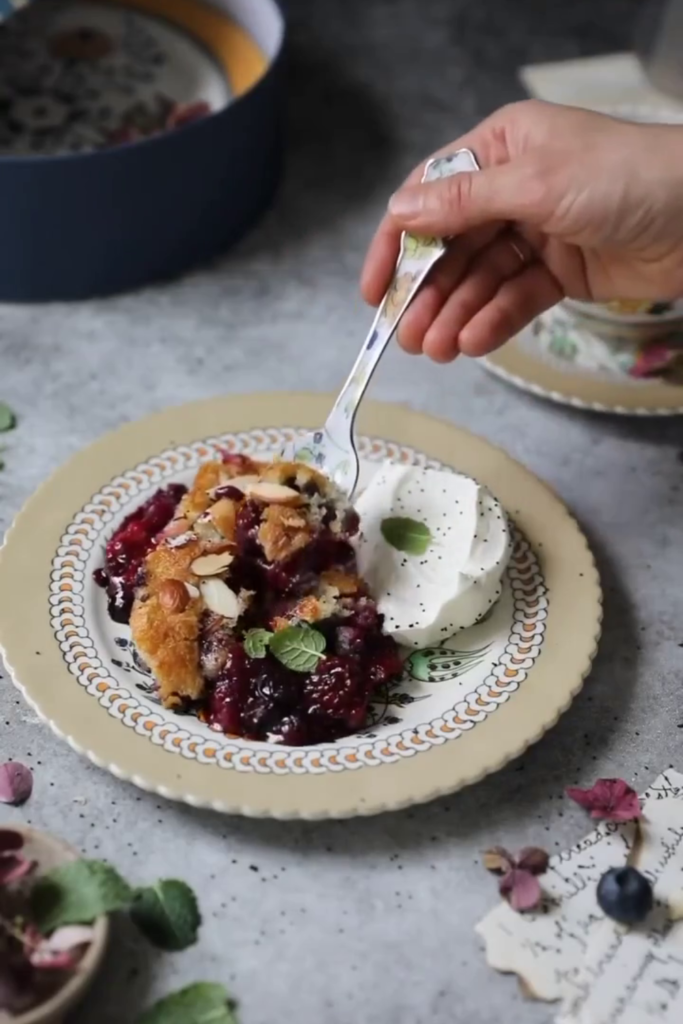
(245, 602)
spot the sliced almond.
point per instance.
(176, 528)
(224, 517)
(181, 540)
(211, 565)
(192, 590)
(274, 494)
(205, 529)
(220, 599)
(242, 483)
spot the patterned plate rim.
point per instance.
(519, 368)
(35, 660)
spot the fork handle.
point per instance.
(416, 259)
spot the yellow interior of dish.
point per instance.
(242, 60)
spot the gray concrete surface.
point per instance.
(366, 921)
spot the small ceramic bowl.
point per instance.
(49, 852)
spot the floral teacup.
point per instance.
(623, 320)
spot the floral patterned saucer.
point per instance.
(78, 75)
(461, 710)
(560, 359)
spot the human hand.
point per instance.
(568, 203)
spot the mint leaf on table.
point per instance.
(407, 535)
(8, 419)
(203, 1003)
(167, 914)
(256, 642)
(298, 648)
(78, 893)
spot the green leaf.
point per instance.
(8, 419)
(167, 914)
(203, 1003)
(299, 648)
(407, 535)
(256, 642)
(78, 893)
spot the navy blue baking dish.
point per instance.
(91, 222)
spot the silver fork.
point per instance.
(332, 449)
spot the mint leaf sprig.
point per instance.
(407, 535)
(299, 648)
(202, 1003)
(78, 893)
(256, 642)
(166, 913)
(8, 419)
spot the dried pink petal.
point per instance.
(16, 783)
(498, 860)
(533, 859)
(14, 867)
(62, 950)
(654, 359)
(10, 840)
(521, 889)
(610, 799)
(47, 961)
(71, 936)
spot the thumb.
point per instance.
(510, 191)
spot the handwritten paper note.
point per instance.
(635, 976)
(630, 977)
(602, 972)
(547, 949)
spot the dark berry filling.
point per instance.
(259, 697)
(227, 491)
(128, 547)
(247, 528)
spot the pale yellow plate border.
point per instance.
(572, 629)
(518, 367)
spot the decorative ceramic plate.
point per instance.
(557, 358)
(461, 710)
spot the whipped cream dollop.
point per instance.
(457, 546)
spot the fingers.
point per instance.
(503, 259)
(446, 276)
(489, 144)
(450, 206)
(516, 303)
(380, 262)
(453, 206)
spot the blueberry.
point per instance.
(625, 895)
